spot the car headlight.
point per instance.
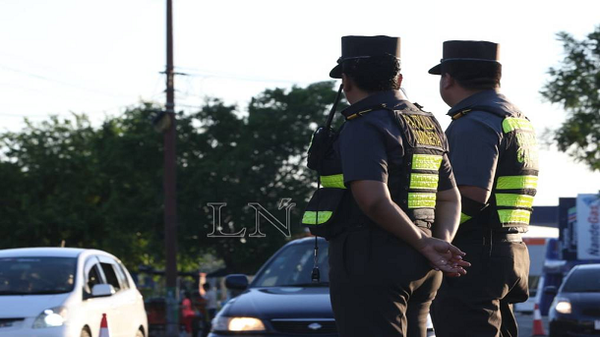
(563, 306)
(223, 323)
(52, 317)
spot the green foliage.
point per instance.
(575, 84)
(102, 187)
(64, 180)
(256, 158)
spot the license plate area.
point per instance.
(597, 324)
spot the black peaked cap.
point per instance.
(475, 51)
(355, 47)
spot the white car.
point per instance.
(65, 291)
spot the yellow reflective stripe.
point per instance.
(334, 181)
(421, 200)
(514, 216)
(464, 217)
(511, 124)
(424, 181)
(514, 200)
(426, 162)
(517, 182)
(310, 217)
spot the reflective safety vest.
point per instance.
(413, 186)
(424, 145)
(332, 208)
(515, 183)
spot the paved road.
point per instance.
(526, 324)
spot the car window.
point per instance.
(92, 278)
(37, 275)
(111, 276)
(120, 269)
(293, 267)
(583, 281)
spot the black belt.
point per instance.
(370, 225)
(484, 238)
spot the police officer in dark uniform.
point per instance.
(389, 171)
(493, 152)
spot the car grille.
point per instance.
(305, 326)
(9, 322)
(574, 328)
(594, 312)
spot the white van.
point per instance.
(65, 291)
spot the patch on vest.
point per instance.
(424, 130)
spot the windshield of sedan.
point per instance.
(583, 281)
(36, 275)
(293, 267)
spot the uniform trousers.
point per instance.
(380, 286)
(479, 304)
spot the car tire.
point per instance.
(85, 333)
(139, 333)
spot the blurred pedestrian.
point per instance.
(210, 295)
(187, 313)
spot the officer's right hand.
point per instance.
(457, 261)
(443, 256)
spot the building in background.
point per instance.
(560, 238)
(543, 230)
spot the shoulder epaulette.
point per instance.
(420, 107)
(362, 112)
(461, 113)
(465, 111)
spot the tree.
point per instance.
(256, 158)
(575, 84)
(63, 180)
(101, 187)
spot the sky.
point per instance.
(64, 56)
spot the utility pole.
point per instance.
(170, 190)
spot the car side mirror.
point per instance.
(102, 290)
(550, 290)
(236, 282)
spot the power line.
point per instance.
(95, 111)
(141, 99)
(194, 72)
(22, 116)
(44, 78)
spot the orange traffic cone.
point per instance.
(538, 325)
(104, 327)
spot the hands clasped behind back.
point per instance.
(443, 256)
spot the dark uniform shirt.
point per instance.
(475, 138)
(371, 146)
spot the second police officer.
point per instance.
(387, 192)
(493, 151)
